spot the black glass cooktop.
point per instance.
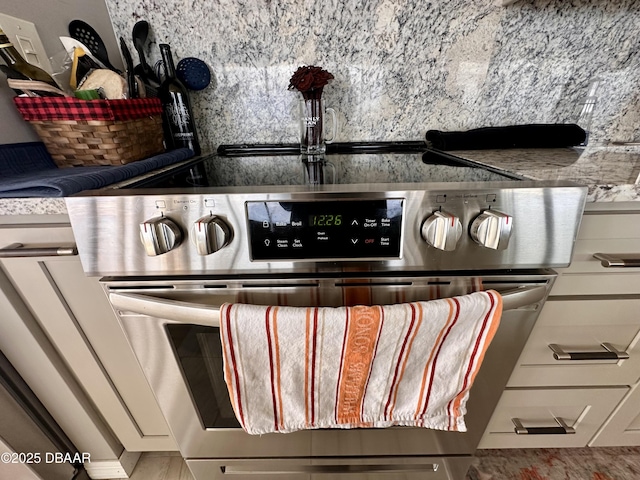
(345, 163)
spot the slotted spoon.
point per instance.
(193, 73)
(86, 34)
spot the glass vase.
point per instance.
(313, 134)
(317, 171)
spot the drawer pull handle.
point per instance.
(562, 429)
(17, 250)
(328, 469)
(609, 260)
(611, 353)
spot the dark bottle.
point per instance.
(177, 117)
(15, 63)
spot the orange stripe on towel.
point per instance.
(274, 365)
(362, 337)
(492, 319)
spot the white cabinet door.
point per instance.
(584, 410)
(73, 311)
(32, 354)
(623, 427)
(582, 325)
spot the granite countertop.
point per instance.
(612, 173)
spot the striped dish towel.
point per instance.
(411, 364)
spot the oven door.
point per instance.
(172, 325)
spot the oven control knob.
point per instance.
(159, 235)
(210, 234)
(442, 230)
(492, 229)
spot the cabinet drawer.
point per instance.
(623, 283)
(582, 409)
(609, 225)
(583, 260)
(582, 325)
(39, 235)
(587, 276)
(613, 234)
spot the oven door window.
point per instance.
(199, 354)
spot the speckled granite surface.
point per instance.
(32, 206)
(611, 173)
(402, 67)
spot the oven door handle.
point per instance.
(167, 309)
(193, 312)
(207, 315)
(522, 297)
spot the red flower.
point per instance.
(307, 78)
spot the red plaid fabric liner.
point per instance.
(69, 108)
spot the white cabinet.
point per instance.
(583, 410)
(591, 376)
(623, 427)
(73, 312)
(581, 325)
(602, 232)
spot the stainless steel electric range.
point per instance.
(399, 223)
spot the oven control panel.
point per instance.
(297, 230)
(354, 229)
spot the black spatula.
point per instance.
(86, 34)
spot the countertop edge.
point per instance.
(33, 206)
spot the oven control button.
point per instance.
(442, 230)
(492, 229)
(210, 234)
(159, 235)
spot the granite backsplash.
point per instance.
(402, 66)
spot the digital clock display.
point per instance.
(330, 230)
(325, 220)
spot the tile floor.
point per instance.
(161, 466)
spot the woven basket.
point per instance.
(95, 132)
